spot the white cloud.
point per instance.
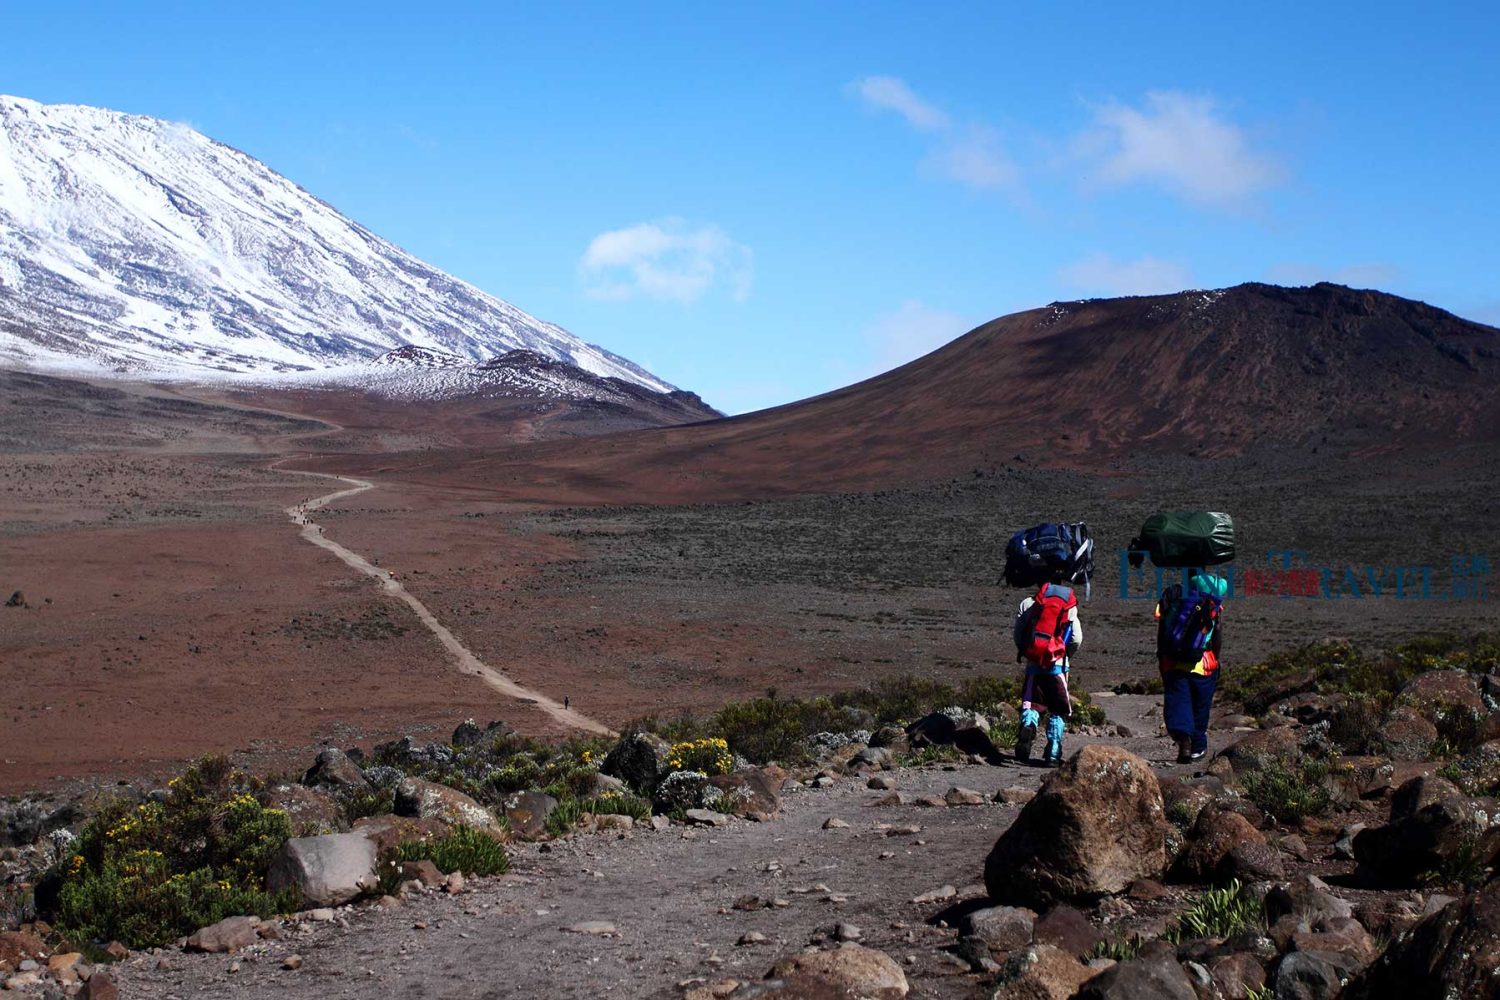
(891, 93)
(912, 330)
(1181, 142)
(976, 160)
(1100, 274)
(1370, 275)
(665, 260)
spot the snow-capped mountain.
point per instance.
(129, 243)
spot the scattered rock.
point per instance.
(17, 947)
(1237, 975)
(310, 810)
(1452, 953)
(1096, 826)
(934, 895)
(429, 800)
(527, 813)
(834, 823)
(752, 792)
(751, 937)
(1015, 796)
(16, 600)
(1437, 694)
(599, 928)
(850, 971)
(957, 796)
(707, 817)
(292, 962)
(1002, 929)
(1312, 975)
(1150, 977)
(1041, 972)
(1215, 834)
(228, 935)
(328, 870)
(1147, 890)
(100, 987)
(846, 932)
(333, 769)
(639, 760)
(968, 731)
(1407, 735)
(387, 832)
(423, 871)
(883, 782)
(1432, 824)
(1066, 928)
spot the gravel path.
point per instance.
(670, 896)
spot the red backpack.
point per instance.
(1047, 642)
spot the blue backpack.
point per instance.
(1050, 553)
(1187, 623)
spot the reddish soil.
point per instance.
(808, 548)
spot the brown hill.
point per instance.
(1077, 383)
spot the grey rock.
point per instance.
(328, 871)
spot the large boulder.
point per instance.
(639, 760)
(751, 792)
(1479, 770)
(527, 813)
(1150, 977)
(328, 871)
(1215, 835)
(429, 800)
(1452, 953)
(311, 811)
(1438, 694)
(1096, 826)
(1433, 826)
(334, 770)
(1407, 735)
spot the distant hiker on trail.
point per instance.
(1047, 632)
(1189, 631)
(566, 702)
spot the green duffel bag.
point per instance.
(1184, 539)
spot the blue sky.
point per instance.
(763, 202)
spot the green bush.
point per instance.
(147, 874)
(1289, 790)
(463, 850)
(1219, 913)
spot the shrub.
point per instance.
(710, 755)
(464, 850)
(1288, 790)
(147, 874)
(1219, 913)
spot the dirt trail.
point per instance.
(466, 660)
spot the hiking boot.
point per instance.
(1184, 751)
(1052, 757)
(1196, 756)
(1025, 736)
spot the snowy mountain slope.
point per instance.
(421, 373)
(133, 244)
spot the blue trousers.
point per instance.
(1187, 701)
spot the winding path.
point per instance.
(466, 660)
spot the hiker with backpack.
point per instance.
(1189, 635)
(1047, 633)
(1046, 630)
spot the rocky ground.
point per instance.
(939, 880)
